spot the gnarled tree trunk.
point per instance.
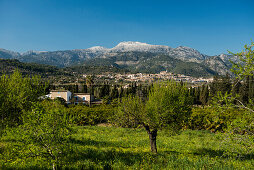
(152, 136)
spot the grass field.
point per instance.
(94, 147)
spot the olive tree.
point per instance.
(168, 106)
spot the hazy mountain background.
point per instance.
(132, 56)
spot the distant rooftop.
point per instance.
(60, 90)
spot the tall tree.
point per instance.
(89, 83)
(114, 92)
(197, 96)
(221, 84)
(204, 95)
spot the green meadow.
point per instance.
(104, 147)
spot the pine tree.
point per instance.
(197, 96)
(204, 94)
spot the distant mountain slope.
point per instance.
(57, 58)
(131, 55)
(6, 54)
(147, 62)
(218, 65)
(8, 66)
(72, 57)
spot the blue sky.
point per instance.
(210, 26)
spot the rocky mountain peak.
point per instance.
(33, 52)
(8, 54)
(97, 48)
(139, 46)
(132, 43)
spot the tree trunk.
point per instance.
(152, 136)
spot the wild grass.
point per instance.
(94, 147)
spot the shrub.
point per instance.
(84, 115)
(212, 119)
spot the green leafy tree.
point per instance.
(168, 106)
(245, 67)
(46, 129)
(244, 70)
(17, 95)
(240, 130)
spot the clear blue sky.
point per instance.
(210, 26)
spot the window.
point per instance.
(76, 98)
(84, 98)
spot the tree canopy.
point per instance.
(245, 67)
(17, 93)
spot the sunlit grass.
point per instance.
(120, 148)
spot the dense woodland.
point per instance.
(142, 126)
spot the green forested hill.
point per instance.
(7, 66)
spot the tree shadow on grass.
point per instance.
(91, 142)
(129, 158)
(208, 152)
(111, 152)
(221, 153)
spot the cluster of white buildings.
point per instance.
(71, 98)
(164, 75)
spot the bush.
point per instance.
(239, 137)
(84, 115)
(211, 119)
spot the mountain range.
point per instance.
(135, 56)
